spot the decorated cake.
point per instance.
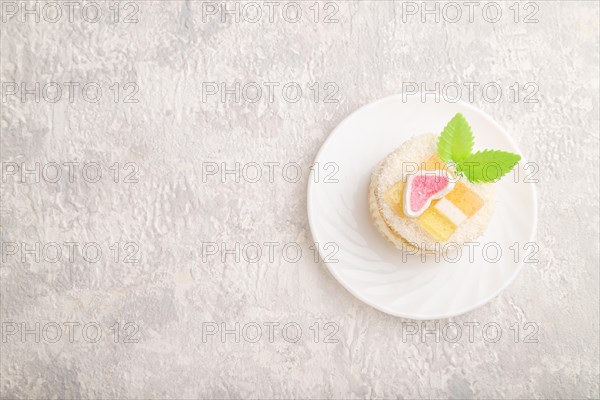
(434, 190)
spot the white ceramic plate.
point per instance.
(371, 268)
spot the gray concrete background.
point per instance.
(170, 297)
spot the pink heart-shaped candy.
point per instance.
(423, 187)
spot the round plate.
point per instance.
(370, 267)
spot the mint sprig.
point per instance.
(487, 165)
(455, 145)
(456, 141)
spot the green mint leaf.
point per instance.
(488, 165)
(456, 141)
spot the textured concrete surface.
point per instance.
(167, 304)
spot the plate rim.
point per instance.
(358, 295)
